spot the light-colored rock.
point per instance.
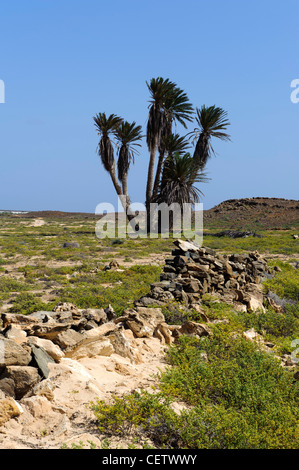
(163, 333)
(67, 339)
(21, 320)
(252, 335)
(142, 320)
(192, 328)
(38, 406)
(99, 347)
(52, 349)
(49, 330)
(124, 346)
(91, 342)
(12, 353)
(254, 304)
(45, 388)
(186, 245)
(16, 334)
(9, 408)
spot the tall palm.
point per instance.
(106, 126)
(212, 122)
(168, 104)
(128, 135)
(177, 108)
(158, 88)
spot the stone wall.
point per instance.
(194, 271)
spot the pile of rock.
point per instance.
(29, 343)
(193, 271)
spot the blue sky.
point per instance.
(63, 61)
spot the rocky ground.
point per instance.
(59, 361)
(64, 418)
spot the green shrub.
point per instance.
(26, 303)
(8, 284)
(236, 396)
(285, 283)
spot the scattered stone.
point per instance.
(70, 245)
(38, 406)
(192, 328)
(9, 408)
(236, 234)
(45, 388)
(113, 265)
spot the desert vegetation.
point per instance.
(226, 390)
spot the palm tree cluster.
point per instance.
(175, 174)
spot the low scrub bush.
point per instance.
(236, 396)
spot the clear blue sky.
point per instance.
(63, 61)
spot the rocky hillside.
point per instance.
(256, 212)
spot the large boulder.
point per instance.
(24, 377)
(141, 320)
(52, 349)
(88, 343)
(12, 353)
(191, 328)
(20, 320)
(41, 359)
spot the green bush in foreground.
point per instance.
(236, 396)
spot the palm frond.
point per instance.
(105, 126)
(128, 136)
(212, 123)
(179, 178)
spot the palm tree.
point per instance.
(180, 176)
(158, 88)
(172, 143)
(179, 179)
(106, 126)
(168, 104)
(128, 135)
(212, 122)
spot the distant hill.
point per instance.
(251, 213)
(256, 212)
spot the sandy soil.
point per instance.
(66, 419)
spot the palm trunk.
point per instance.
(126, 198)
(150, 181)
(150, 174)
(125, 201)
(158, 174)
